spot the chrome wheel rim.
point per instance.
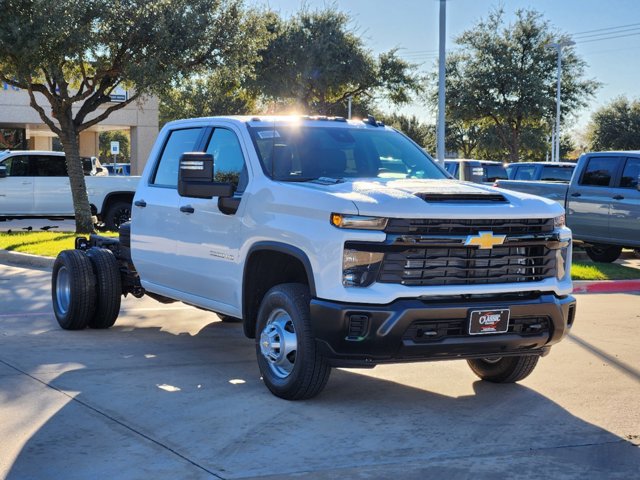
(279, 343)
(63, 290)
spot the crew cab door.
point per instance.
(16, 189)
(209, 239)
(589, 198)
(624, 224)
(51, 191)
(156, 218)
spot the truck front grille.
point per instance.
(435, 265)
(430, 226)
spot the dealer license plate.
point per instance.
(482, 322)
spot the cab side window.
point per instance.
(630, 173)
(48, 166)
(600, 171)
(17, 166)
(179, 142)
(228, 161)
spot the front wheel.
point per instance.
(603, 253)
(504, 369)
(289, 362)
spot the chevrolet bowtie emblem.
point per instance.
(485, 240)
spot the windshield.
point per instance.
(295, 153)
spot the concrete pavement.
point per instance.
(171, 392)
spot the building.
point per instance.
(22, 128)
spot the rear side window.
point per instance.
(630, 173)
(556, 174)
(525, 172)
(48, 166)
(17, 166)
(179, 142)
(600, 171)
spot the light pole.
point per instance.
(555, 149)
(441, 81)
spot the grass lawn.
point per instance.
(46, 244)
(603, 271)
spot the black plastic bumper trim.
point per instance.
(383, 342)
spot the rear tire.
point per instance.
(117, 214)
(504, 369)
(73, 289)
(603, 253)
(291, 366)
(108, 287)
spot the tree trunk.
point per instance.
(71, 145)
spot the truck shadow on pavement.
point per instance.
(143, 402)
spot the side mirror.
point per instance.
(3, 171)
(195, 177)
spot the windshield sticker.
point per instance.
(268, 134)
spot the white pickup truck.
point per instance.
(35, 184)
(337, 243)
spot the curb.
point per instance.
(26, 259)
(606, 286)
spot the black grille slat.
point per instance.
(428, 226)
(467, 265)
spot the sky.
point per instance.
(412, 26)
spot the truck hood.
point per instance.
(436, 199)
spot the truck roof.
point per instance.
(282, 120)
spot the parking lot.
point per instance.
(172, 392)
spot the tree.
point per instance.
(506, 75)
(72, 54)
(616, 126)
(315, 62)
(421, 133)
(104, 143)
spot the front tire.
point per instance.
(603, 253)
(108, 287)
(291, 366)
(504, 369)
(73, 289)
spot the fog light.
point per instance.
(360, 269)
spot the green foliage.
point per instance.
(74, 54)
(616, 126)
(502, 82)
(218, 93)
(105, 140)
(315, 62)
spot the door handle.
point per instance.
(618, 197)
(187, 209)
(140, 203)
(576, 194)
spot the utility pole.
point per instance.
(441, 81)
(556, 143)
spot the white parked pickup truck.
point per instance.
(35, 184)
(336, 243)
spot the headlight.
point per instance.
(559, 221)
(358, 222)
(360, 269)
